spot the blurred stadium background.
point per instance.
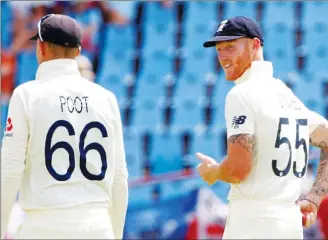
(171, 93)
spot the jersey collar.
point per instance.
(258, 68)
(57, 67)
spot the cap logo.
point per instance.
(222, 25)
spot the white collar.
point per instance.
(257, 68)
(57, 67)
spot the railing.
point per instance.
(184, 174)
(165, 177)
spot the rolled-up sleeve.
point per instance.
(13, 154)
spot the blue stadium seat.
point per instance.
(188, 114)
(316, 48)
(200, 12)
(221, 89)
(158, 37)
(313, 99)
(280, 48)
(140, 195)
(155, 13)
(149, 85)
(158, 64)
(28, 65)
(155, 76)
(190, 86)
(315, 105)
(166, 152)
(240, 8)
(115, 69)
(199, 61)
(159, 29)
(302, 87)
(147, 115)
(209, 143)
(199, 24)
(117, 52)
(277, 12)
(195, 34)
(321, 78)
(115, 61)
(133, 155)
(219, 116)
(116, 84)
(219, 125)
(119, 37)
(314, 12)
(6, 25)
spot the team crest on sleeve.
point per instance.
(238, 120)
(9, 128)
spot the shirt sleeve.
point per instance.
(120, 185)
(315, 120)
(13, 154)
(239, 114)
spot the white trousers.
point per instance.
(250, 219)
(73, 223)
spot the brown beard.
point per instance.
(243, 62)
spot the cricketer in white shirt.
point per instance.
(269, 130)
(264, 107)
(63, 150)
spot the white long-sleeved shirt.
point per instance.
(265, 107)
(63, 146)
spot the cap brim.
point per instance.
(35, 37)
(212, 42)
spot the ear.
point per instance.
(78, 51)
(42, 47)
(256, 44)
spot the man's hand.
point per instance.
(208, 168)
(309, 212)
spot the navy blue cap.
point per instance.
(234, 28)
(60, 30)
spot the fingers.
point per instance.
(201, 157)
(203, 171)
(312, 218)
(205, 168)
(201, 168)
(205, 159)
(308, 219)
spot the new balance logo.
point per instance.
(236, 121)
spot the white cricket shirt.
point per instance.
(63, 144)
(265, 107)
